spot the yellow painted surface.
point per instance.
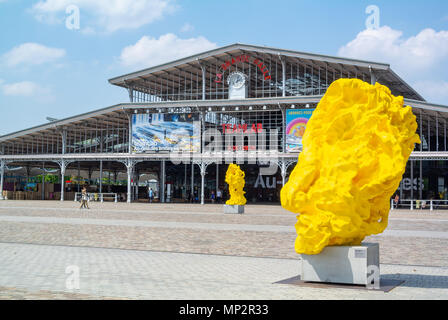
(355, 149)
(235, 180)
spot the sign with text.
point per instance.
(262, 69)
(165, 132)
(296, 121)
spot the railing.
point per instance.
(413, 204)
(97, 196)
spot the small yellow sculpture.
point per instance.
(355, 150)
(235, 180)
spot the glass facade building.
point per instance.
(187, 119)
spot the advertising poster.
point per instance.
(165, 132)
(296, 120)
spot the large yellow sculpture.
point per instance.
(235, 180)
(355, 150)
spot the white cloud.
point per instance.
(149, 51)
(187, 27)
(421, 59)
(108, 15)
(385, 44)
(24, 88)
(31, 54)
(27, 89)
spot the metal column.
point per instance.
(162, 182)
(217, 178)
(2, 177)
(204, 79)
(130, 134)
(63, 166)
(79, 174)
(283, 172)
(283, 111)
(437, 132)
(192, 181)
(130, 169)
(101, 176)
(64, 140)
(444, 135)
(412, 179)
(131, 94)
(203, 168)
(43, 181)
(283, 75)
(108, 179)
(185, 181)
(136, 180)
(372, 76)
(421, 131)
(129, 185)
(420, 188)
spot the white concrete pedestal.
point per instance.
(344, 264)
(233, 209)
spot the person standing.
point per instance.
(396, 199)
(196, 195)
(212, 196)
(150, 194)
(219, 195)
(84, 199)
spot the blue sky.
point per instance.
(47, 69)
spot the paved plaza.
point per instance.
(185, 251)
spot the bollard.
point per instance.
(116, 198)
(430, 205)
(412, 207)
(391, 204)
(101, 196)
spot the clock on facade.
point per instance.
(236, 80)
(237, 85)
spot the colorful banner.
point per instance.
(165, 132)
(296, 120)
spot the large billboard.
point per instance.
(296, 120)
(165, 132)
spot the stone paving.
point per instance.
(172, 251)
(15, 293)
(166, 275)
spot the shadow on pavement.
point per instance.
(419, 280)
